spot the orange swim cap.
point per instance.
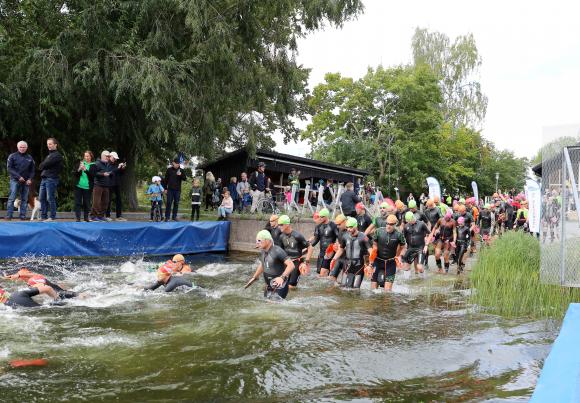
(430, 203)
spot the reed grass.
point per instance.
(506, 281)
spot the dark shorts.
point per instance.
(384, 272)
(270, 292)
(413, 253)
(295, 275)
(353, 277)
(337, 268)
(322, 263)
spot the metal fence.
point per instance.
(560, 224)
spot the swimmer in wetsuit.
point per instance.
(389, 244)
(445, 228)
(417, 236)
(296, 246)
(169, 277)
(275, 265)
(180, 265)
(354, 245)
(274, 229)
(325, 233)
(463, 240)
(34, 279)
(485, 222)
(336, 265)
(23, 298)
(380, 221)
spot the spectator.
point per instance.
(243, 190)
(115, 188)
(155, 192)
(348, 200)
(294, 180)
(226, 207)
(51, 168)
(233, 189)
(172, 181)
(327, 193)
(195, 199)
(103, 171)
(21, 171)
(208, 189)
(217, 193)
(259, 184)
(84, 174)
(422, 201)
(410, 197)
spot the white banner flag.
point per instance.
(475, 192)
(534, 196)
(434, 189)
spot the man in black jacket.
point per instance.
(103, 172)
(21, 171)
(348, 200)
(115, 188)
(50, 167)
(172, 184)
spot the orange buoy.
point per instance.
(39, 362)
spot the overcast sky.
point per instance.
(530, 52)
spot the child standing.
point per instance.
(195, 200)
(155, 192)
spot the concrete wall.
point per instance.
(243, 232)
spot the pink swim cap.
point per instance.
(460, 220)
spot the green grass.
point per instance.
(506, 281)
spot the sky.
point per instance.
(530, 54)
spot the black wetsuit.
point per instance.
(326, 234)
(419, 216)
(385, 265)
(510, 216)
(23, 298)
(355, 248)
(463, 240)
(433, 215)
(484, 222)
(172, 284)
(62, 293)
(294, 244)
(273, 263)
(364, 221)
(275, 232)
(415, 236)
(339, 264)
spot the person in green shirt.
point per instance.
(84, 185)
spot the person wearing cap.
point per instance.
(348, 200)
(274, 229)
(326, 233)
(259, 184)
(23, 298)
(35, 279)
(103, 173)
(275, 266)
(180, 265)
(355, 247)
(389, 244)
(174, 177)
(432, 213)
(521, 217)
(379, 221)
(169, 276)
(419, 215)
(296, 246)
(336, 265)
(440, 205)
(485, 221)
(463, 239)
(417, 236)
(51, 168)
(363, 219)
(84, 178)
(445, 230)
(155, 192)
(115, 187)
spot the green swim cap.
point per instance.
(351, 222)
(486, 205)
(409, 216)
(384, 205)
(264, 235)
(283, 219)
(462, 200)
(324, 213)
(412, 204)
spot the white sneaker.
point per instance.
(120, 219)
(108, 219)
(49, 220)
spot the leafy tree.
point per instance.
(456, 64)
(554, 147)
(152, 77)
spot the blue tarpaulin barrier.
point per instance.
(560, 377)
(112, 238)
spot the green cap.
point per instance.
(324, 213)
(264, 235)
(283, 219)
(486, 205)
(409, 216)
(412, 204)
(462, 200)
(384, 205)
(351, 222)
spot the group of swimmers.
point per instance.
(170, 276)
(399, 237)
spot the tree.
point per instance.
(554, 147)
(155, 76)
(386, 122)
(456, 64)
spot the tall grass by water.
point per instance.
(506, 281)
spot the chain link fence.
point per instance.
(560, 225)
